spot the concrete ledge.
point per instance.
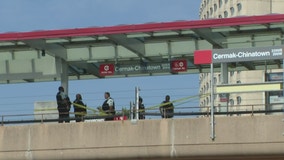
(165, 138)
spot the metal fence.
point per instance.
(180, 112)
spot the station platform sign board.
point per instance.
(238, 54)
(144, 67)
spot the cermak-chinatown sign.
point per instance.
(238, 54)
(153, 67)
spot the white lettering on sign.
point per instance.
(146, 68)
(277, 52)
(124, 69)
(242, 55)
(151, 68)
(166, 66)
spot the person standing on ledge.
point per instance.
(108, 107)
(63, 105)
(79, 108)
(167, 108)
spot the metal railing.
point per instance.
(16, 118)
(149, 113)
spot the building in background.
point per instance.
(234, 8)
(211, 9)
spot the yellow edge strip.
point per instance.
(249, 88)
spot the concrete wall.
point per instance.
(235, 136)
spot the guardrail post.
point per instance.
(41, 118)
(283, 132)
(252, 109)
(208, 111)
(137, 92)
(131, 110)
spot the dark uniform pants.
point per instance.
(63, 115)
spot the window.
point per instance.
(207, 101)
(220, 3)
(232, 9)
(239, 100)
(207, 15)
(219, 77)
(220, 16)
(225, 14)
(211, 11)
(232, 73)
(215, 7)
(226, 1)
(231, 102)
(239, 5)
(215, 81)
(238, 81)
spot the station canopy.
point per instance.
(134, 50)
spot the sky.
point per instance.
(32, 15)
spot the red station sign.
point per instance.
(179, 65)
(106, 69)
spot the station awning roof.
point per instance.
(33, 56)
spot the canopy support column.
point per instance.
(224, 80)
(62, 72)
(64, 75)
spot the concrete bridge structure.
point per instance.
(237, 137)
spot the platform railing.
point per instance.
(179, 112)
